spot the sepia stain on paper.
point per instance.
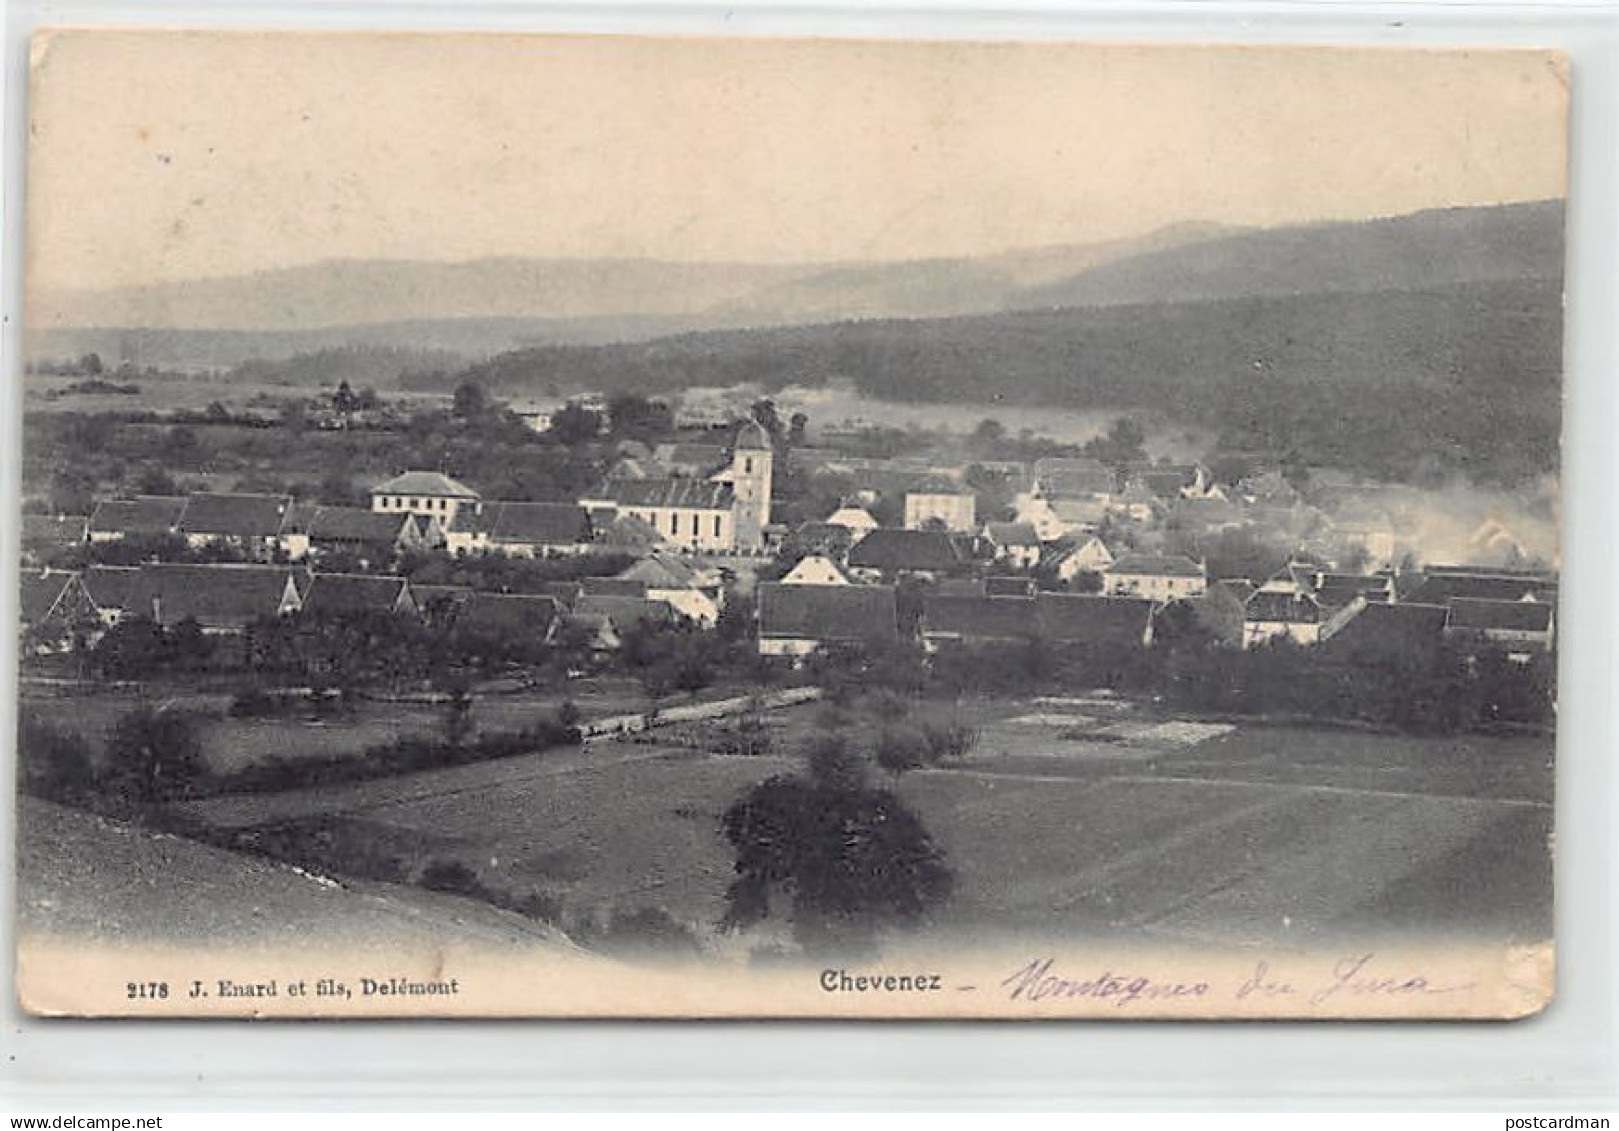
(546, 526)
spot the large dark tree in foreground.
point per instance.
(849, 858)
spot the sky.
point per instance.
(161, 156)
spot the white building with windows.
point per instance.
(426, 493)
(1160, 577)
(725, 511)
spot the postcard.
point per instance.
(590, 526)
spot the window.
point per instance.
(716, 526)
(747, 465)
(674, 523)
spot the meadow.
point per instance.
(1242, 835)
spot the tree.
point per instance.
(574, 424)
(797, 429)
(343, 399)
(901, 748)
(989, 435)
(634, 417)
(470, 402)
(1124, 442)
(90, 364)
(153, 755)
(765, 414)
(458, 725)
(849, 858)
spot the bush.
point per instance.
(453, 877)
(54, 764)
(749, 736)
(902, 748)
(948, 740)
(153, 756)
(540, 906)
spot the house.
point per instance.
(624, 534)
(590, 633)
(252, 524)
(1053, 519)
(1399, 634)
(1206, 514)
(724, 511)
(1015, 543)
(1268, 488)
(56, 612)
(820, 538)
(1441, 585)
(1523, 626)
(816, 569)
(429, 493)
(938, 504)
(694, 592)
(1069, 557)
(626, 612)
(1158, 577)
(687, 512)
(857, 520)
(915, 553)
(1072, 478)
(1136, 502)
(45, 536)
(1077, 516)
(795, 620)
(371, 537)
(221, 599)
(527, 615)
(1077, 618)
(520, 530)
(536, 414)
(351, 594)
(143, 517)
(1056, 618)
(1300, 617)
(690, 461)
(110, 589)
(1335, 590)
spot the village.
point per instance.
(1020, 628)
(1079, 551)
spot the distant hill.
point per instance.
(1424, 249)
(934, 288)
(483, 309)
(1462, 377)
(469, 338)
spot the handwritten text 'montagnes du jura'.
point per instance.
(1358, 978)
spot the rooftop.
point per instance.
(835, 613)
(432, 484)
(889, 549)
(1155, 565)
(235, 515)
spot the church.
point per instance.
(723, 511)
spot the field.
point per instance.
(1080, 819)
(236, 743)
